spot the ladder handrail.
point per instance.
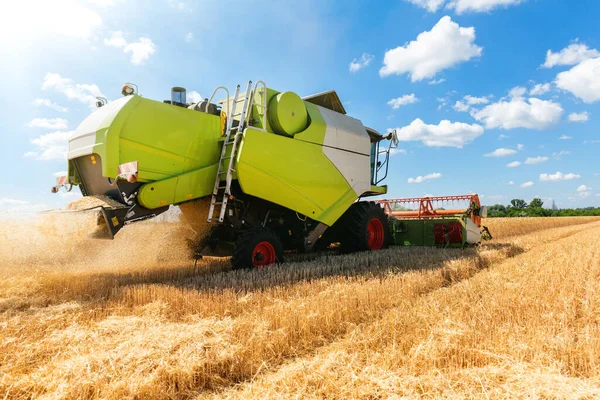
(213, 201)
(231, 141)
(238, 132)
(264, 102)
(213, 95)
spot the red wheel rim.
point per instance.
(263, 255)
(376, 234)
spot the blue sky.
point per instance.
(472, 85)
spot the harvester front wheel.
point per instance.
(256, 248)
(364, 227)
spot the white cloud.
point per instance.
(471, 100)
(51, 146)
(579, 117)
(437, 81)
(116, 39)
(526, 185)
(582, 195)
(517, 92)
(558, 155)
(421, 179)
(520, 147)
(583, 188)
(583, 80)
(397, 151)
(572, 55)
(465, 104)
(583, 192)
(520, 113)
(501, 152)
(513, 164)
(85, 93)
(364, 61)
(429, 5)
(503, 136)
(511, 183)
(461, 106)
(47, 103)
(44, 19)
(403, 100)
(536, 160)
(565, 137)
(445, 134)
(189, 37)
(140, 50)
(540, 89)
(48, 123)
(559, 176)
(445, 45)
(462, 6)
(193, 97)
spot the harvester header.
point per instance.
(428, 220)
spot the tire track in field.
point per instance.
(449, 276)
(265, 382)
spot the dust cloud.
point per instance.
(62, 240)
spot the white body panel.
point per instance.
(345, 133)
(354, 167)
(348, 146)
(473, 232)
(84, 139)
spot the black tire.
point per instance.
(256, 248)
(364, 226)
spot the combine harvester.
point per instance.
(255, 174)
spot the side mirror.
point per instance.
(483, 212)
(395, 138)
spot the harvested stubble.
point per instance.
(363, 325)
(527, 328)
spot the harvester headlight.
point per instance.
(127, 90)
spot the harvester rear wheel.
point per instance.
(364, 226)
(256, 248)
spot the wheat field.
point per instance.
(134, 318)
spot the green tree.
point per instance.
(518, 204)
(536, 203)
(497, 211)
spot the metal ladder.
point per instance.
(228, 154)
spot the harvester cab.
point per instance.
(255, 174)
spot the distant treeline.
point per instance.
(520, 208)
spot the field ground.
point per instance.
(518, 317)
